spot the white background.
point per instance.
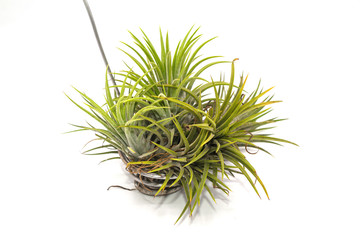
(309, 50)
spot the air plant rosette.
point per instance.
(174, 129)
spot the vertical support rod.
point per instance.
(100, 46)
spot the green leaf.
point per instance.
(204, 126)
(182, 159)
(202, 183)
(181, 173)
(208, 189)
(210, 137)
(182, 135)
(191, 173)
(185, 106)
(202, 153)
(166, 166)
(222, 162)
(171, 152)
(232, 78)
(108, 159)
(167, 178)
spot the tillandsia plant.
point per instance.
(175, 129)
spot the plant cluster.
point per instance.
(167, 119)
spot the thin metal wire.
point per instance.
(100, 46)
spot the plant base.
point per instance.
(152, 191)
(150, 183)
